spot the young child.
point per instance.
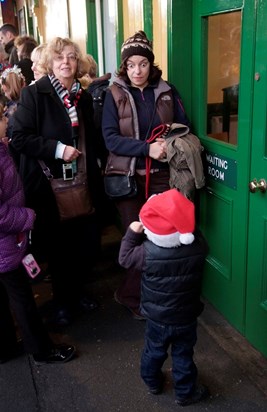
(171, 259)
(15, 290)
(12, 82)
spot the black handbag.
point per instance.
(119, 180)
(120, 186)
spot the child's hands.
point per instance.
(137, 227)
(5, 140)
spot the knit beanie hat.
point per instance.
(168, 219)
(137, 45)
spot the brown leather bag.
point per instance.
(72, 196)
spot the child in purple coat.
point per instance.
(15, 290)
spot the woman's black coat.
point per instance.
(40, 121)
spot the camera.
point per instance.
(67, 171)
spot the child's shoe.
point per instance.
(157, 389)
(201, 392)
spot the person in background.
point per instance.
(97, 87)
(51, 116)
(3, 59)
(3, 66)
(171, 259)
(145, 101)
(36, 56)
(12, 82)
(25, 46)
(8, 33)
(16, 296)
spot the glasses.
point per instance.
(62, 57)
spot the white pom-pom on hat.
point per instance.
(187, 238)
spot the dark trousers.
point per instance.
(71, 249)
(16, 294)
(71, 270)
(182, 339)
(129, 291)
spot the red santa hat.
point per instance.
(169, 219)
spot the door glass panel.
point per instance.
(223, 75)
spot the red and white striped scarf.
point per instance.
(70, 100)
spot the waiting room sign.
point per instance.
(221, 169)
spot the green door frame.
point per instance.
(256, 299)
(91, 41)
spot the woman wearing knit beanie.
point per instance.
(138, 101)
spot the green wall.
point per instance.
(180, 49)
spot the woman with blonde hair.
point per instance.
(53, 115)
(36, 56)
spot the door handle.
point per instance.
(255, 185)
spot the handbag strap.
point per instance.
(46, 170)
(81, 162)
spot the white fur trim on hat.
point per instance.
(167, 241)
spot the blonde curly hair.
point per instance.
(91, 74)
(55, 47)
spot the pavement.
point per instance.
(104, 376)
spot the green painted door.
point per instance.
(229, 115)
(256, 296)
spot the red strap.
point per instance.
(156, 132)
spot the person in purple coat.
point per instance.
(16, 221)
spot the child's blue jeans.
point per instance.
(181, 339)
